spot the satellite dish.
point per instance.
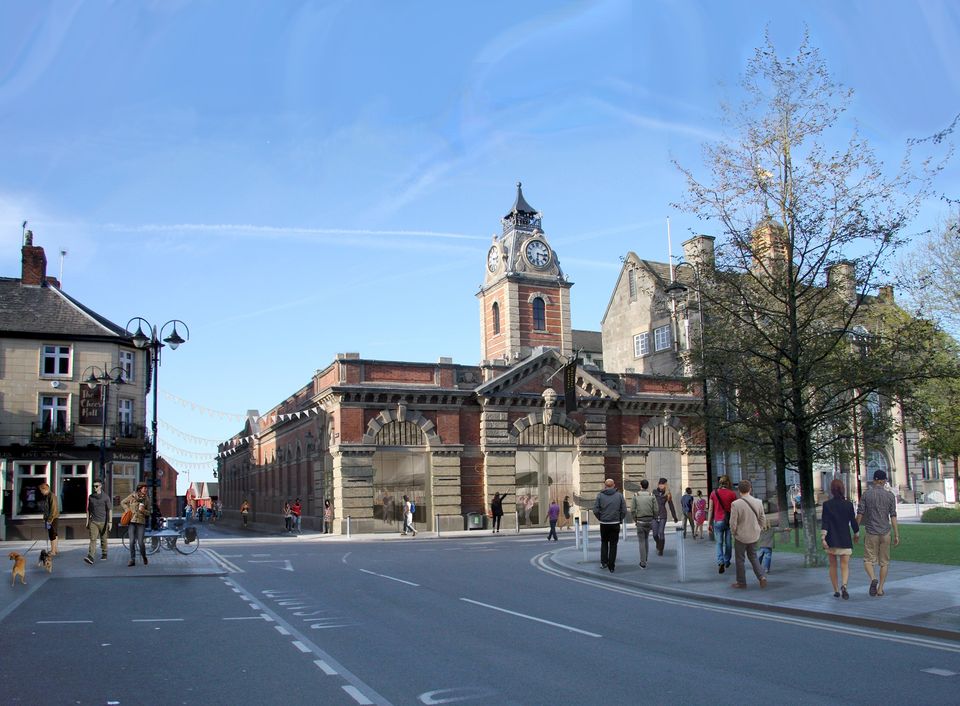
(54, 384)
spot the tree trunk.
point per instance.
(956, 479)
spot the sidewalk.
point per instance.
(921, 599)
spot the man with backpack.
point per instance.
(409, 507)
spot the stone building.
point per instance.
(364, 433)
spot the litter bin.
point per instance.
(475, 520)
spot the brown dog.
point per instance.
(46, 560)
(19, 569)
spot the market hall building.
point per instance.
(364, 433)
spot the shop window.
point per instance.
(27, 478)
(73, 486)
(124, 481)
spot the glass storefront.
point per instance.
(395, 474)
(542, 477)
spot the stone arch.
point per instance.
(559, 419)
(402, 414)
(665, 433)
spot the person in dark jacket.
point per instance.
(838, 519)
(610, 508)
(664, 499)
(496, 510)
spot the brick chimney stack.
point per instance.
(34, 262)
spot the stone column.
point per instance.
(499, 463)
(353, 488)
(634, 466)
(445, 490)
(693, 469)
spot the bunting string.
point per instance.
(203, 441)
(266, 420)
(208, 455)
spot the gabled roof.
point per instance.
(659, 272)
(46, 311)
(515, 376)
(520, 205)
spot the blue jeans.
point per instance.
(553, 530)
(724, 544)
(137, 540)
(765, 555)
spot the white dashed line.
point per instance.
(357, 696)
(939, 672)
(392, 578)
(530, 617)
(300, 646)
(157, 620)
(266, 617)
(62, 622)
(282, 630)
(327, 669)
(247, 617)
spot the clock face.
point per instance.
(493, 258)
(538, 253)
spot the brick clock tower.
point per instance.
(525, 297)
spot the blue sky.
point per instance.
(297, 179)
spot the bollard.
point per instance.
(436, 523)
(586, 534)
(681, 556)
(576, 532)
(348, 526)
(516, 519)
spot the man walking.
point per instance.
(746, 522)
(686, 507)
(610, 508)
(664, 498)
(408, 510)
(99, 519)
(876, 513)
(644, 510)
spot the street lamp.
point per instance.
(677, 291)
(103, 379)
(155, 344)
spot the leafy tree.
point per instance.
(793, 337)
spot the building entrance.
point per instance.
(542, 477)
(399, 473)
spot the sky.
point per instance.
(298, 179)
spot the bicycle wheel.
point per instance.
(124, 533)
(182, 546)
(153, 545)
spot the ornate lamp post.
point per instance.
(155, 344)
(103, 379)
(677, 292)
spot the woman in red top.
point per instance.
(719, 517)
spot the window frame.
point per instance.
(61, 355)
(539, 312)
(125, 409)
(662, 332)
(641, 344)
(128, 366)
(54, 409)
(18, 476)
(495, 313)
(632, 284)
(85, 474)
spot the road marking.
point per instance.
(246, 617)
(451, 696)
(392, 578)
(62, 622)
(157, 620)
(221, 559)
(327, 669)
(282, 630)
(259, 555)
(939, 672)
(266, 617)
(357, 696)
(287, 566)
(844, 628)
(530, 617)
(300, 646)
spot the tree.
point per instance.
(786, 306)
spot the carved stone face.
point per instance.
(549, 398)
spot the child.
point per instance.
(765, 545)
(699, 514)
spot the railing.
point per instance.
(125, 435)
(129, 434)
(47, 433)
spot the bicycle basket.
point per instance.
(190, 534)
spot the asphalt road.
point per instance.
(423, 621)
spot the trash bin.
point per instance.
(475, 520)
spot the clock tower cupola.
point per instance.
(525, 297)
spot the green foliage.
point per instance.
(925, 544)
(941, 514)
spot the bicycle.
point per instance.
(183, 539)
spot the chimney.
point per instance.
(34, 270)
(842, 276)
(698, 251)
(885, 294)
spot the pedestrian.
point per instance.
(877, 513)
(645, 509)
(51, 513)
(496, 510)
(686, 509)
(553, 514)
(746, 522)
(327, 517)
(699, 514)
(188, 512)
(219, 509)
(765, 543)
(408, 510)
(835, 525)
(718, 518)
(610, 508)
(565, 515)
(200, 513)
(295, 511)
(99, 521)
(139, 505)
(287, 516)
(664, 499)
(244, 512)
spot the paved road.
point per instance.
(425, 621)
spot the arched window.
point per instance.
(539, 315)
(496, 318)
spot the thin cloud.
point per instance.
(647, 122)
(232, 229)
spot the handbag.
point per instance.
(126, 517)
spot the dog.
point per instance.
(46, 560)
(19, 569)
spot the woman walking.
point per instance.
(244, 511)
(699, 515)
(139, 505)
(838, 519)
(496, 510)
(327, 517)
(287, 517)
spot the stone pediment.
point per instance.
(530, 377)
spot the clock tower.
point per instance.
(525, 297)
